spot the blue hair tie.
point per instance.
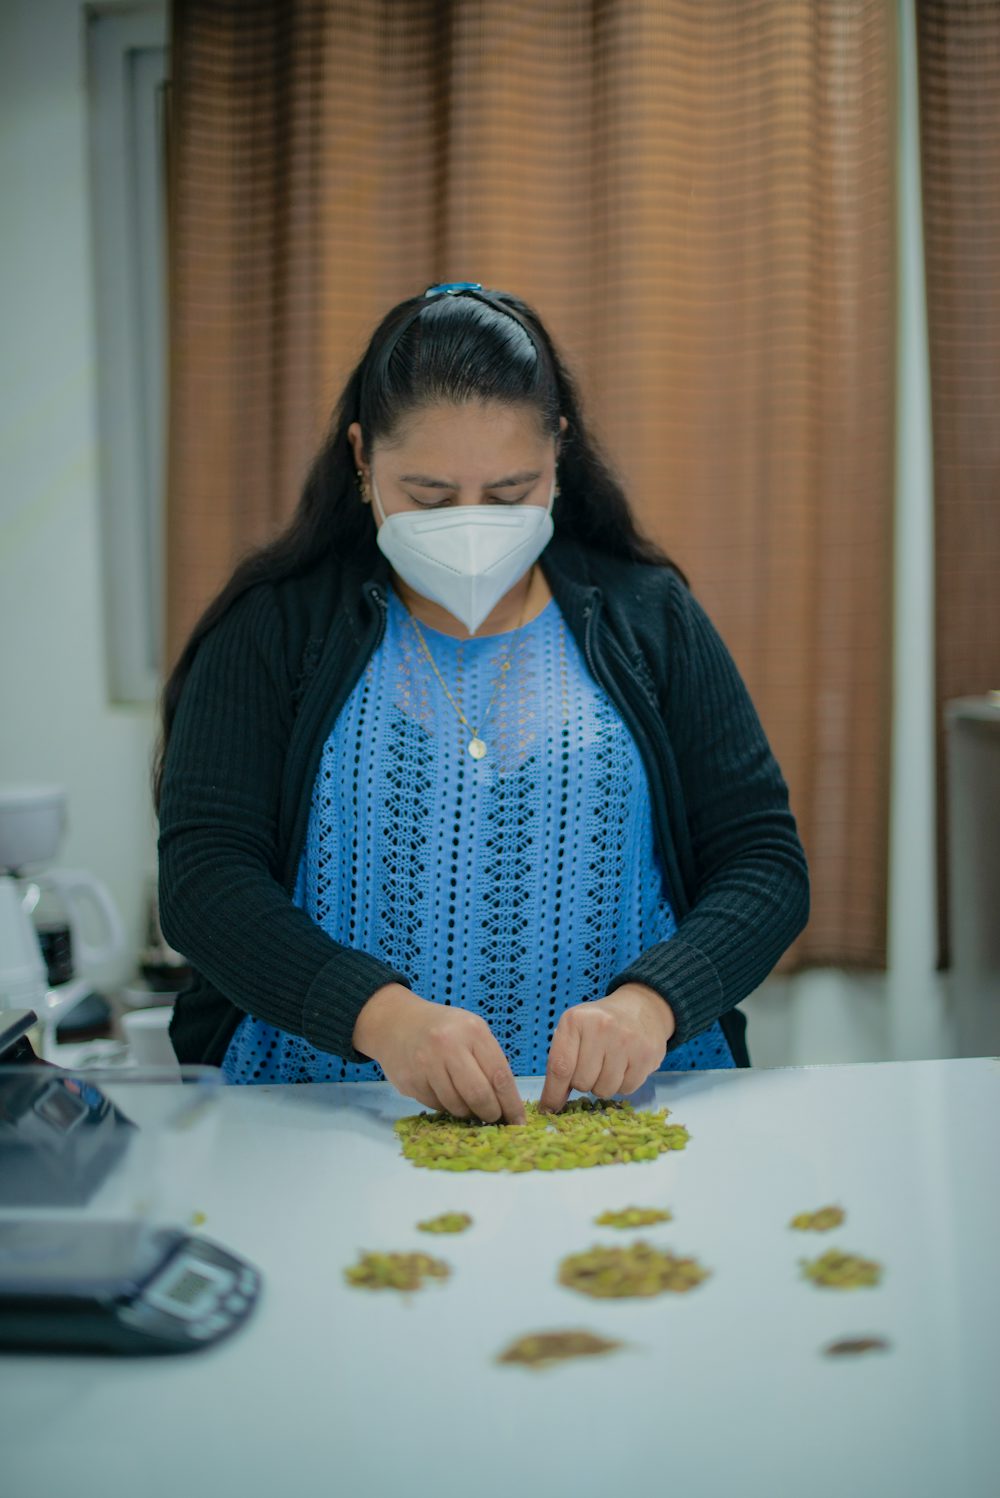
(453, 287)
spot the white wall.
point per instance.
(55, 720)
(56, 724)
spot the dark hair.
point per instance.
(452, 347)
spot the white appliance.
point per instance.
(32, 823)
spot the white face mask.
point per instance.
(467, 557)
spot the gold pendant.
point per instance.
(477, 748)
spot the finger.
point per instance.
(559, 1072)
(426, 1095)
(508, 1096)
(612, 1074)
(634, 1078)
(467, 1078)
(453, 1097)
(507, 1103)
(596, 1037)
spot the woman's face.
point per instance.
(447, 455)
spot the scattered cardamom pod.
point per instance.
(448, 1222)
(819, 1222)
(632, 1217)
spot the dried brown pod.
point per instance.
(819, 1222)
(849, 1345)
(542, 1349)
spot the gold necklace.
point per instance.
(476, 745)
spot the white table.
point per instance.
(725, 1390)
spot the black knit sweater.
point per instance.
(265, 687)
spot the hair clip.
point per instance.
(453, 287)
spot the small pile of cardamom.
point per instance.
(839, 1271)
(381, 1271)
(640, 1269)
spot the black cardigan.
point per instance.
(265, 687)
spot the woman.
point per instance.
(457, 779)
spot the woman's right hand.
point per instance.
(446, 1058)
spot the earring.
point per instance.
(365, 496)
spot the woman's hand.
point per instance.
(608, 1045)
(445, 1058)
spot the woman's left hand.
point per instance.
(608, 1045)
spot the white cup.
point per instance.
(145, 1030)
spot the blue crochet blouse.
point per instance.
(515, 885)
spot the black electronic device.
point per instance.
(105, 1286)
(72, 1283)
(15, 1047)
(59, 1134)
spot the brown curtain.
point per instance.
(698, 198)
(959, 70)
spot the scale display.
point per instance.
(117, 1287)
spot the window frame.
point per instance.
(127, 53)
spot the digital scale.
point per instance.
(73, 1282)
(110, 1286)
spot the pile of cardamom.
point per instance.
(584, 1133)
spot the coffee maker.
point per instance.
(57, 926)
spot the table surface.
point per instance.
(721, 1390)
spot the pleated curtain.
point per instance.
(959, 71)
(698, 199)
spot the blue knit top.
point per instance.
(515, 885)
